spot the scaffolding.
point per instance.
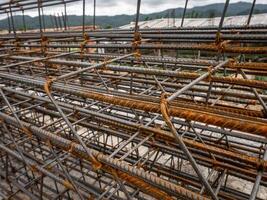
(174, 113)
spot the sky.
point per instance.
(115, 7)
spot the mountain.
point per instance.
(211, 10)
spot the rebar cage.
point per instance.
(171, 113)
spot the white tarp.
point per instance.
(257, 19)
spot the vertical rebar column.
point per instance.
(251, 11)
(8, 20)
(136, 28)
(23, 19)
(83, 17)
(94, 13)
(64, 21)
(256, 185)
(137, 36)
(185, 7)
(43, 18)
(40, 20)
(223, 15)
(12, 21)
(65, 12)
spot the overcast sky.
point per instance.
(115, 7)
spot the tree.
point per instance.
(211, 14)
(108, 26)
(147, 18)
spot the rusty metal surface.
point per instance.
(86, 114)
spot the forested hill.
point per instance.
(212, 10)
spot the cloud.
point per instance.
(115, 7)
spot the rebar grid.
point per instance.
(177, 113)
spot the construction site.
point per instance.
(173, 113)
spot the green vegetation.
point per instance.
(108, 27)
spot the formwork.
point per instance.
(171, 113)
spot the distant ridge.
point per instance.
(211, 10)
